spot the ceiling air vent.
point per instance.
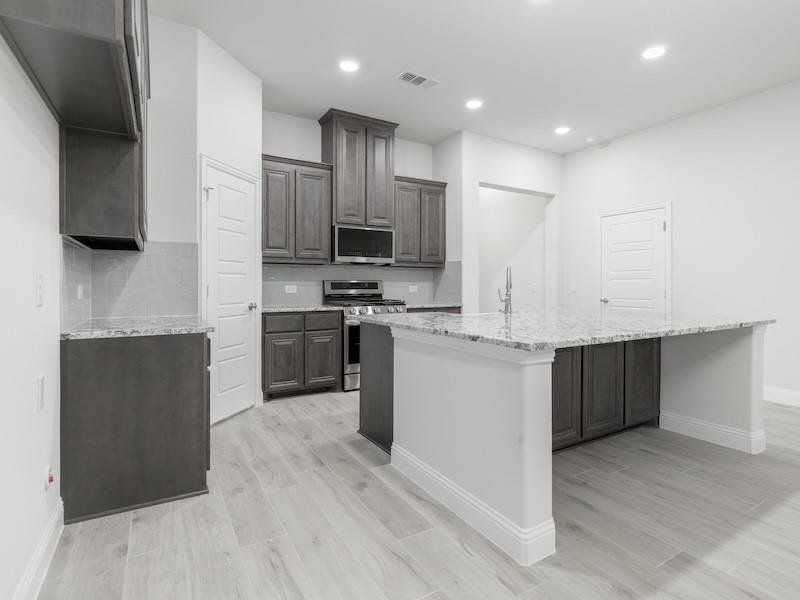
(419, 81)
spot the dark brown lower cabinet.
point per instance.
(302, 352)
(134, 422)
(604, 388)
(323, 357)
(642, 381)
(566, 397)
(283, 362)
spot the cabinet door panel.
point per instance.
(350, 179)
(603, 389)
(380, 177)
(283, 362)
(566, 397)
(323, 358)
(642, 380)
(407, 223)
(278, 198)
(312, 214)
(432, 224)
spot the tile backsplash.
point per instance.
(161, 281)
(76, 284)
(397, 282)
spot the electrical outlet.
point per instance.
(40, 393)
(413, 289)
(39, 294)
(290, 289)
(80, 292)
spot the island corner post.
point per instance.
(473, 421)
(472, 426)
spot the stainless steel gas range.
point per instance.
(357, 298)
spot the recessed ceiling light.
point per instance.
(474, 103)
(590, 139)
(348, 66)
(563, 130)
(653, 52)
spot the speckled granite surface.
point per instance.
(434, 305)
(311, 308)
(548, 329)
(134, 327)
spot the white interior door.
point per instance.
(231, 293)
(635, 261)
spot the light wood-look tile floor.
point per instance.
(303, 507)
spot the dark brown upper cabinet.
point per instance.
(89, 61)
(406, 236)
(420, 224)
(296, 198)
(361, 150)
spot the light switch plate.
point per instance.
(290, 289)
(413, 288)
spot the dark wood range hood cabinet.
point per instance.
(353, 186)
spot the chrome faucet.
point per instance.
(506, 300)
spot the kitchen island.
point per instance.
(472, 416)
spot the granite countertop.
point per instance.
(309, 308)
(135, 327)
(549, 329)
(434, 305)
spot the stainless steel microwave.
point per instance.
(367, 245)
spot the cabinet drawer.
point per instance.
(323, 320)
(276, 323)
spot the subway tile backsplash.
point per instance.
(161, 281)
(76, 284)
(397, 282)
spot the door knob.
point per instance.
(604, 300)
(252, 306)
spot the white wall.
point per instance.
(732, 175)
(228, 108)
(511, 234)
(296, 137)
(290, 136)
(29, 244)
(172, 164)
(500, 164)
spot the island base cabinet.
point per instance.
(642, 381)
(603, 391)
(134, 422)
(604, 388)
(566, 397)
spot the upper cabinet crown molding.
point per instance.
(361, 150)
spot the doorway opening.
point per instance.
(512, 233)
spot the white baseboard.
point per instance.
(32, 578)
(785, 396)
(739, 439)
(525, 545)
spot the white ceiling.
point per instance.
(536, 63)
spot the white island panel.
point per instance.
(472, 426)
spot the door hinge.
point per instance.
(665, 225)
(206, 290)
